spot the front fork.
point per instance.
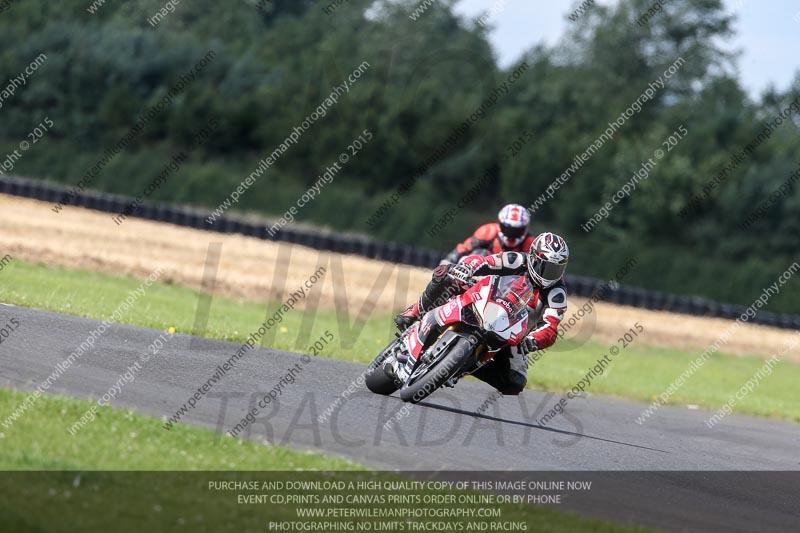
(401, 370)
(479, 351)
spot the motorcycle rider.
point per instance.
(508, 234)
(542, 268)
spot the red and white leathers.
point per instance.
(548, 304)
(508, 373)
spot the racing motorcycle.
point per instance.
(454, 339)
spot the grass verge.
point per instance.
(125, 440)
(122, 473)
(638, 372)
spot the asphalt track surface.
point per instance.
(678, 487)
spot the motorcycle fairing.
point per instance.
(501, 303)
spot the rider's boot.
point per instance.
(436, 293)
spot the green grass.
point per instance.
(125, 440)
(124, 472)
(643, 373)
(89, 294)
(638, 372)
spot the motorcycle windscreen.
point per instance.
(514, 293)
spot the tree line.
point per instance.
(425, 97)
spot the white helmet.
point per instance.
(547, 259)
(513, 220)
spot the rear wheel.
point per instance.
(428, 378)
(376, 378)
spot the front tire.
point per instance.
(442, 370)
(376, 378)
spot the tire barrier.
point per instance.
(387, 251)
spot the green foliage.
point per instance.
(274, 64)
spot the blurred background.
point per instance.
(432, 64)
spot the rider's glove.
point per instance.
(461, 272)
(528, 345)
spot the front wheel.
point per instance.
(430, 378)
(376, 378)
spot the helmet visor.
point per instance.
(511, 233)
(550, 272)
